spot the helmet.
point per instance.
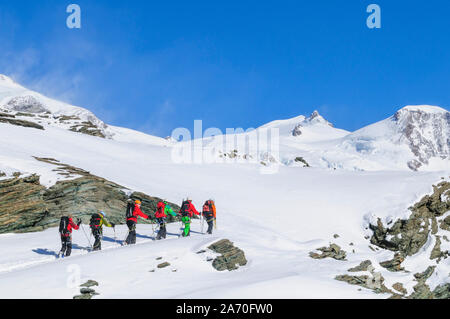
(138, 202)
(103, 214)
(189, 198)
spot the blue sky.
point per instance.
(158, 65)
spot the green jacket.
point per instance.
(169, 210)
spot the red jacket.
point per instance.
(190, 210)
(137, 212)
(160, 211)
(71, 226)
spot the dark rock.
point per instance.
(363, 266)
(374, 283)
(83, 296)
(88, 128)
(442, 292)
(394, 264)
(230, 258)
(300, 159)
(297, 131)
(7, 115)
(409, 235)
(21, 123)
(399, 287)
(87, 291)
(89, 283)
(26, 205)
(25, 114)
(423, 276)
(436, 253)
(333, 251)
(163, 265)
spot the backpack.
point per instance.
(63, 225)
(160, 212)
(185, 208)
(130, 210)
(207, 207)
(95, 221)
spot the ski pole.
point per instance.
(202, 218)
(82, 228)
(115, 238)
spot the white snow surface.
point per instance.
(277, 219)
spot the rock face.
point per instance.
(88, 128)
(230, 258)
(86, 291)
(21, 204)
(163, 265)
(297, 131)
(363, 266)
(26, 205)
(427, 133)
(394, 264)
(10, 119)
(26, 103)
(408, 236)
(333, 251)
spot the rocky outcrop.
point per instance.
(21, 203)
(163, 265)
(333, 251)
(26, 103)
(86, 291)
(408, 236)
(26, 205)
(363, 266)
(394, 264)
(300, 159)
(426, 132)
(373, 281)
(88, 128)
(231, 257)
(23, 123)
(297, 131)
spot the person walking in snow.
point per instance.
(66, 225)
(97, 222)
(161, 214)
(209, 214)
(133, 211)
(187, 211)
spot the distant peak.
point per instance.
(315, 117)
(4, 78)
(423, 108)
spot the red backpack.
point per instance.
(207, 207)
(160, 210)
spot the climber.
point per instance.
(96, 224)
(209, 213)
(161, 214)
(133, 211)
(187, 211)
(66, 225)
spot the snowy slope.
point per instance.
(277, 219)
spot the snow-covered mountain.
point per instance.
(355, 214)
(415, 136)
(30, 106)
